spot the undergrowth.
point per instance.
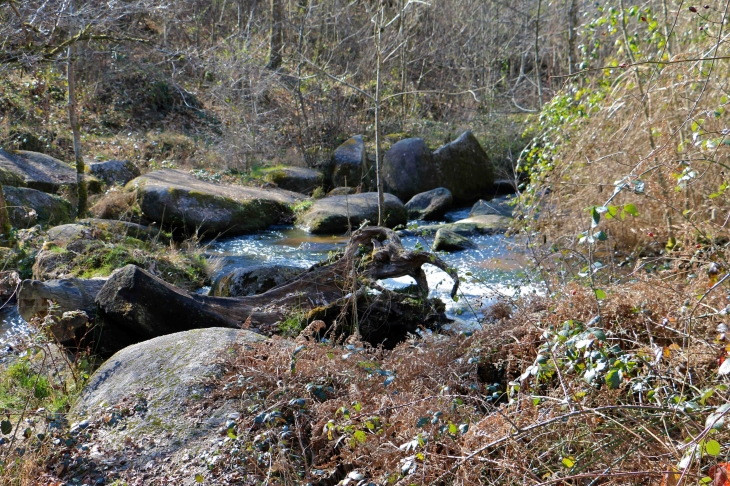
(625, 390)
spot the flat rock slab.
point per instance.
(149, 391)
(297, 179)
(38, 171)
(91, 228)
(498, 206)
(330, 215)
(475, 225)
(182, 201)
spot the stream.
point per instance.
(495, 267)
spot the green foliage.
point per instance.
(585, 351)
(293, 324)
(302, 206)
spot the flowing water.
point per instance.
(495, 267)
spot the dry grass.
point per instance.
(466, 410)
(670, 134)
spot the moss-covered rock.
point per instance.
(181, 201)
(409, 169)
(330, 215)
(28, 207)
(95, 248)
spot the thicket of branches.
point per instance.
(301, 73)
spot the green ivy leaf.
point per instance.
(6, 427)
(613, 379)
(631, 209)
(596, 217)
(712, 448)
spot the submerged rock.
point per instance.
(181, 201)
(447, 240)
(475, 225)
(28, 207)
(431, 205)
(297, 179)
(330, 215)
(149, 389)
(253, 280)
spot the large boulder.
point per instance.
(465, 168)
(297, 179)
(39, 171)
(409, 168)
(182, 201)
(350, 164)
(145, 404)
(461, 166)
(28, 207)
(330, 215)
(447, 240)
(114, 171)
(431, 205)
(253, 280)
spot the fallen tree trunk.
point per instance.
(67, 294)
(144, 306)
